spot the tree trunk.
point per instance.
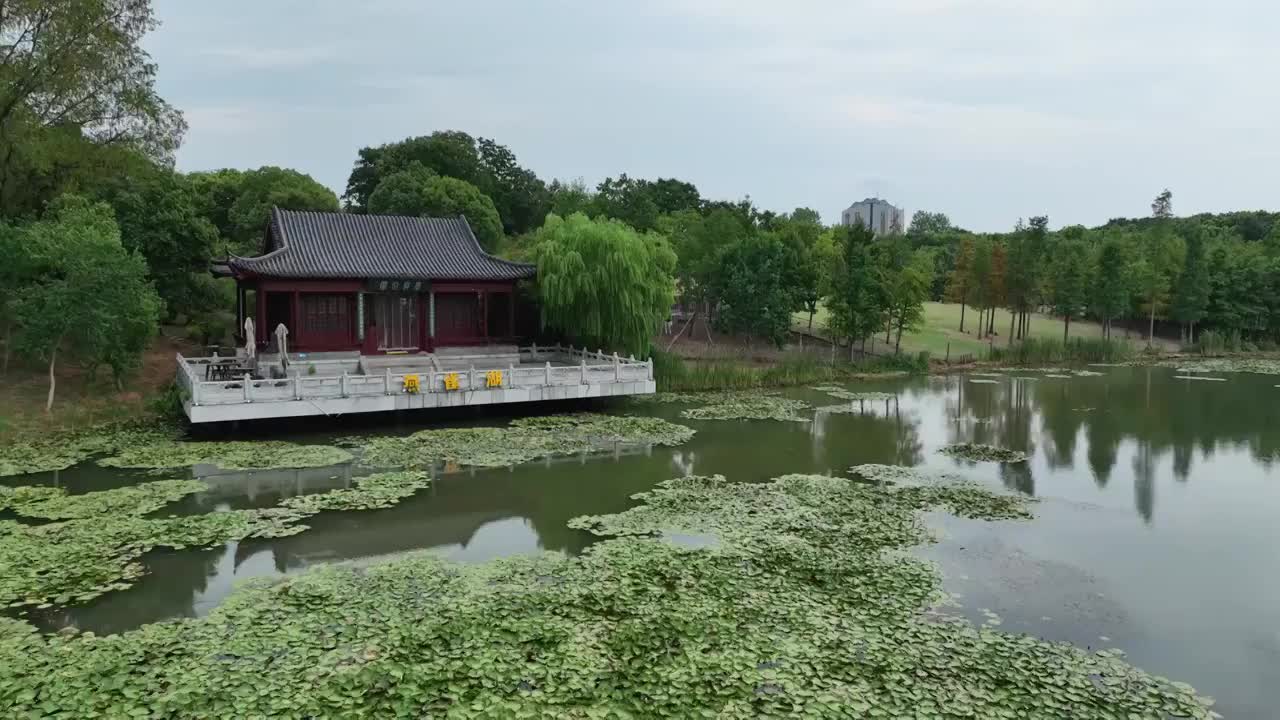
(897, 346)
(888, 329)
(991, 321)
(1066, 328)
(811, 312)
(981, 312)
(1013, 316)
(961, 317)
(53, 382)
(1191, 333)
(1151, 329)
(8, 343)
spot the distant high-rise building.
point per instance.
(881, 217)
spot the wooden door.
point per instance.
(397, 317)
(457, 318)
(327, 322)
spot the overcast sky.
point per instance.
(988, 110)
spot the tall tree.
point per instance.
(602, 283)
(1111, 288)
(403, 192)
(238, 203)
(1069, 276)
(757, 296)
(855, 298)
(84, 295)
(910, 290)
(73, 71)
(959, 283)
(157, 212)
(1160, 260)
(450, 197)
(627, 199)
(1191, 295)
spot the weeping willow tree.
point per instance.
(602, 283)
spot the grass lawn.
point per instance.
(942, 323)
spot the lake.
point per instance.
(1157, 532)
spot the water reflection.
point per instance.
(1135, 421)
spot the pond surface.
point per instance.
(1158, 532)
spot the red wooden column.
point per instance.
(261, 311)
(484, 315)
(295, 310)
(511, 312)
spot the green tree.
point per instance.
(1159, 261)
(856, 298)
(602, 283)
(908, 293)
(85, 295)
(627, 199)
(924, 222)
(74, 79)
(450, 197)
(569, 197)
(1112, 287)
(1069, 277)
(959, 282)
(403, 192)
(755, 289)
(156, 211)
(979, 273)
(1191, 295)
(265, 188)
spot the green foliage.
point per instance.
(857, 297)
(96, 548)
(804, 599)
(403, 192)
(418, 192)
(265, 188)
(908, 277)
(450, 197)
(749, 406)
(1069, 277)
(756, 286)
(521, 201)
(158, 214)
(674, 374)
(62, 451)
(974, 452)
(77, 95)
(602, 283)
(524, 440)
(233, 455)
(80, 292)
(1034, 350)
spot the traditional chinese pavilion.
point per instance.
(376, 284)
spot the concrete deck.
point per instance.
(340, 384)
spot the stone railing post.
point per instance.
(649, 362)
(386, 381)
(510, 380)
(583, 369)
(195, 392)
(617, 368)
(248, 388)
(297, 387)
(533, 351)
(342, 384)
(471, 376)
(547, 374)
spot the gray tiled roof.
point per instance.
(343, 245)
